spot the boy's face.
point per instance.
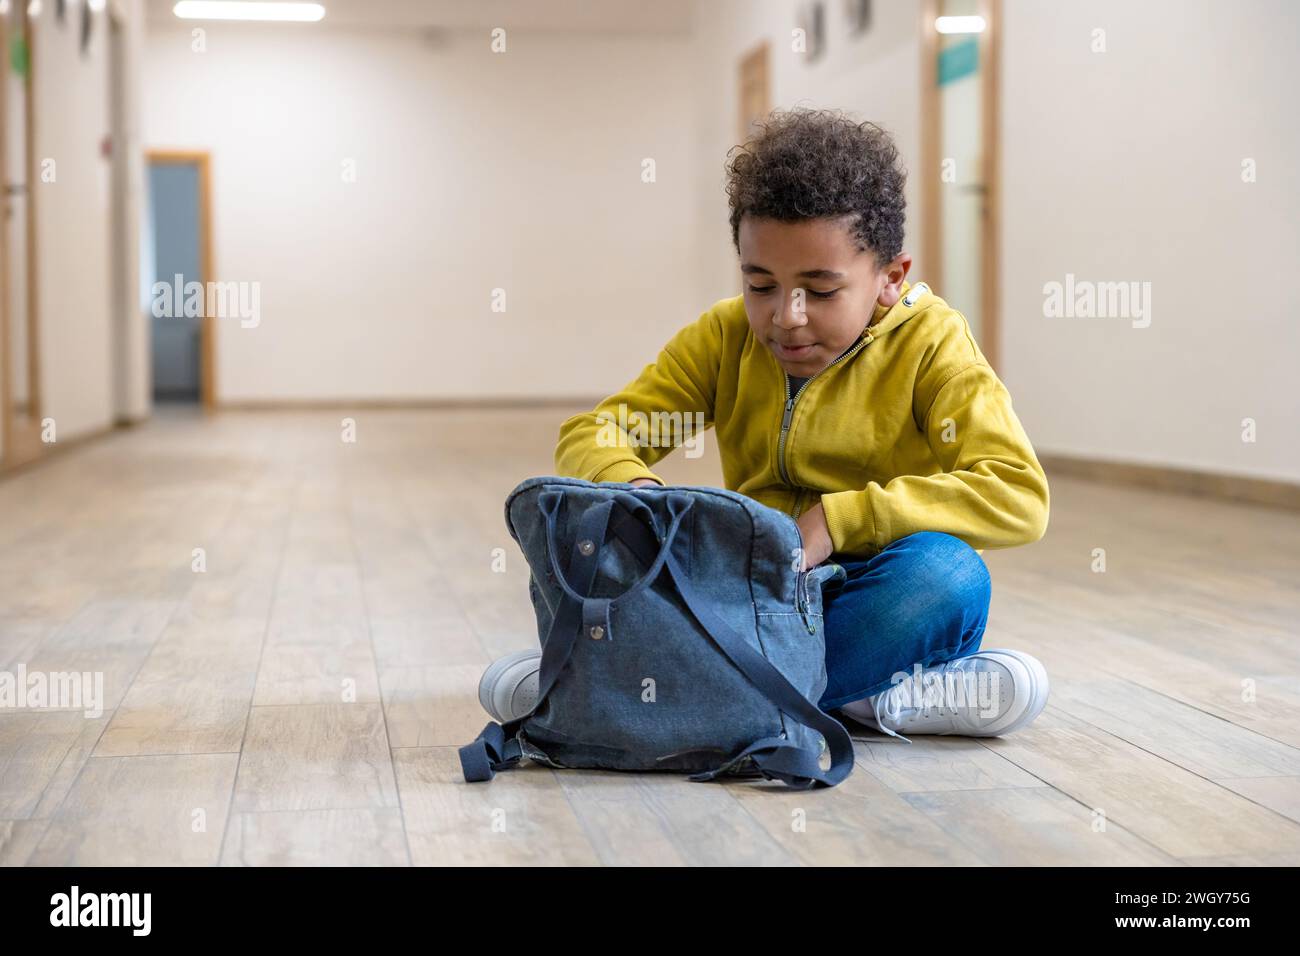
(809, 291)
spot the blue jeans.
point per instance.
(923, 599)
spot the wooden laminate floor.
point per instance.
(300, 701)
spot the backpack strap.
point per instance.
(775, 757)
(497, 746)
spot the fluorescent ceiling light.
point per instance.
(239, 10)
(959, 24)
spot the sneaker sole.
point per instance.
(491, 682)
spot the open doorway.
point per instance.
(177, 251)
(20, 380)
(959, 145)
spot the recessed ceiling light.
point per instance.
(959, 24)
(242, 10)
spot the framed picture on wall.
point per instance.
(857, 13)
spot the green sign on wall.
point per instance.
(18, 58)
(960, 59)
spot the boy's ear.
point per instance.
(894, 274)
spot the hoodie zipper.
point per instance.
(789, 413)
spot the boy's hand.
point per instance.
(817, 544)
(641, 482)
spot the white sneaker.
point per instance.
(508, 688)
(985, 694)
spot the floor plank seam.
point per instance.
(374, 657)
(261, 653)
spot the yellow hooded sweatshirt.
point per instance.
(909, 430)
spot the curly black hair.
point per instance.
(806, 163)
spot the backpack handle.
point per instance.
(548, 502)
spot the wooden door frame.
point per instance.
(19, 446)
(6, 411)
(754, 67)
(124, 287)
(990, 46)
(202, 160)
(931, 158)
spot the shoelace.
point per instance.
(890, 704)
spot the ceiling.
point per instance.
(555, 16)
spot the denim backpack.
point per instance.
(676, 635)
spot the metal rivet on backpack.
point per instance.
(585, 546)
(597, 632)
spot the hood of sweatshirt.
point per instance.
(914, 300)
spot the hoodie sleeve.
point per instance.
(669, 403)
(992, 492)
